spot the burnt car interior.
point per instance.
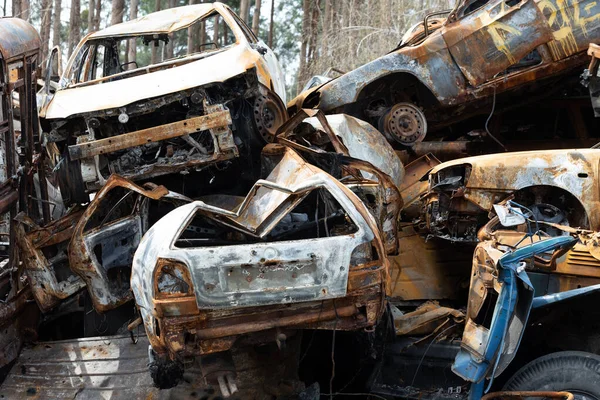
(105, 59)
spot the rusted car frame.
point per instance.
(43, 251)
(482, 49)
(222, 291)
(107, 234)
(559, 185)
(184, 124)
(19, 48)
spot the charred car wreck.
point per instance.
(480, 266)
(449, 69)
(302, 250)
(164, 109)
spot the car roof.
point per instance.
(165, 21)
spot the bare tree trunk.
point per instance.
(191, 37)
(91, 9)
(56, 26)
(154, 55)
(96, 21)
(245, 10)
(132, 54)
(306, 7)
(216, 32)
(45, 29)
(4, 8)
(256, 17)
(74, 25)
(271, 24)
(327, 27)
(16, 8)
(170, 45)
(202, 36)
(25, 10)
(118, 8)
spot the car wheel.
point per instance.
(572, 371)
(164, 372)
(404, 123)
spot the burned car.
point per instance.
(304, 249)
(557, 186)
(452, 70)
(163, 107)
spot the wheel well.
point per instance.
(395, 88)
(558, 197)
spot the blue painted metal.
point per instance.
(514, 280)
(542, 301)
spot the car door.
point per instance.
(574, 25)
(500, 299)
(487, 38)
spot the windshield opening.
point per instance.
(105, 57)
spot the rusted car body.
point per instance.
(170, 109)
(484, 48)
(19, 47)
(43, 251)
(559, 186)
(307, 248)
(107, 234)
(264, 265)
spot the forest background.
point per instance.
(308, 36)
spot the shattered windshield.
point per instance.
(105, 57)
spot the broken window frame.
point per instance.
(82, 61)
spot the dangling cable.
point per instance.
(488, 121)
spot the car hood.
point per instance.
(519, 158)
(118, 93)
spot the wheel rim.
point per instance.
(269, 115)
(405, 123)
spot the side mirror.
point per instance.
(261, 49)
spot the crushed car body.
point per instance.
(107, 234)
(482, 49)
(109, 115)
(204, 275)
(308, 246)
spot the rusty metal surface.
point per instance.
(260, 276)
(165, 21)
(483, 181)
(181, 74)
(428, 269)
(428, 318)
(414, 186)
(17, 39)
(493, 48)
(51, 279)
(528, 394)
(112, 367)
(108, 292)
(150, 135)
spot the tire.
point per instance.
(165, 373)
(573, 371)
